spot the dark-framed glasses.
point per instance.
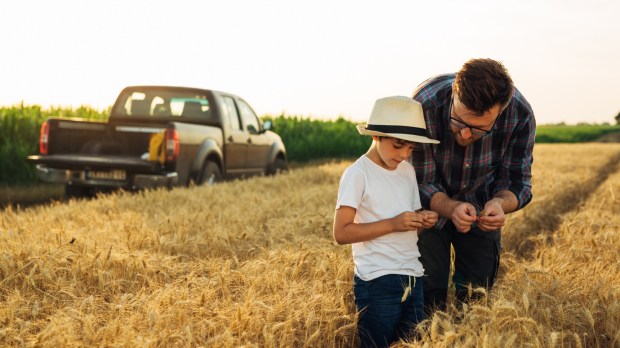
(477, 131)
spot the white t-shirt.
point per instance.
(378, 194)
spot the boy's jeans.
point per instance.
(384, 316)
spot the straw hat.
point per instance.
(397, 117)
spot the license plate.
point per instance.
(108, 175)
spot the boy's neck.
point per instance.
(373, 155)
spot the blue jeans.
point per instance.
(384, 316)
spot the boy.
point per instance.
(378, 212)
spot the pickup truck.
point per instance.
(159, 136)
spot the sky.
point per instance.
(318, 59)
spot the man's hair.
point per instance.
(482, 83)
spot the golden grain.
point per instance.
(252, 263)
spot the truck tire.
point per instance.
(211, 173)
(278, 166)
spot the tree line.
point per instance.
(305, 138)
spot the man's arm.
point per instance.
(515, 174)
(426, 174)
(513, 187)
(506, 200)
(462, 214)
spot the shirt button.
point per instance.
(466, 165)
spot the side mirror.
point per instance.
(267, 125)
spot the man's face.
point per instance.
(468, 126)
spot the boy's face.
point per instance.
(393, 151)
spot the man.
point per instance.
(479, 172)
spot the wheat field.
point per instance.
(252, 263)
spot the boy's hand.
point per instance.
(429, 218)
(407, 221)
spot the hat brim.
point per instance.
(361, 128)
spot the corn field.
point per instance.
(252, 263)
(19, 137)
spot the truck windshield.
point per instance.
(163, 103)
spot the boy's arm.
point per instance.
(346, 231)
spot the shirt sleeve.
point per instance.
(430, 94)
(516, 172)
(426, 174)
(351, 190)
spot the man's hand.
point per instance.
(407, 221)
(429, 218)
(492, 217)
(463, 216)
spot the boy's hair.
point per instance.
(482, 83)
(400, 141)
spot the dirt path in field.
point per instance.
(609, 138)
(550, 215)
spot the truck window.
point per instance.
(195, 107)
(250, 121)
(159, 107)
(164, 103)
(231, 114)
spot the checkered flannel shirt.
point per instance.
(501, 160)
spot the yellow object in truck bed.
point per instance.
(157, 150)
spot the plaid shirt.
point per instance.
(501, 160)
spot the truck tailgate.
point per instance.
(80, 162)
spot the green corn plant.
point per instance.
(19, 137)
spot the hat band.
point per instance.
(397, 129)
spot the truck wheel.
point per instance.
(211, 174)
(278, 166)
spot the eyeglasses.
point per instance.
(477, 131)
